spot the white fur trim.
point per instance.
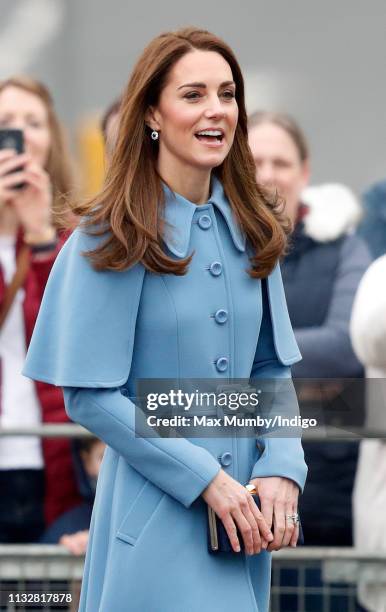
(334, 211)
(368, 320)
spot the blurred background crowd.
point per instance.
(317, 131)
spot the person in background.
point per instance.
(368, 333)
(110, 125)
(373, 226)
(37, 481)
(72, 528)
(321, 273)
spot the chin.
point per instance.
(209, 162)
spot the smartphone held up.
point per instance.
(13, 139)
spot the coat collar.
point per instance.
(179, 214)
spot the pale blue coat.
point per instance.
(98, 332)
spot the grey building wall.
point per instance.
(323, 62)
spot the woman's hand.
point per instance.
(32, 204)
(235, 506)
(76, 543)
(279, 498)
(9, 161)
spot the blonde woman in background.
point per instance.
(36, 476)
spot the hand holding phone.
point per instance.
(13, 140)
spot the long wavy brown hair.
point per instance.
(129, 208)
(58, 164)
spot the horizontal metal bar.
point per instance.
(54, 562)
(300, 553)
(39, 562)
(72, 430)
(321, 553)
(48, 430)
(328, 433)
(34, 550)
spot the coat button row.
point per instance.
(225, 458)
(204, 222)
(222, 364)
(215, 268)
(221, 316)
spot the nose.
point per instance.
(214, 108)
(266, 175)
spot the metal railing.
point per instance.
(305, 579)
(39, 577)
(48, 430)
(71, 430)
(322, 579)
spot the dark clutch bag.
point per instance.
(218, 541)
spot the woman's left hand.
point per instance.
(33, 203)
(279, 498)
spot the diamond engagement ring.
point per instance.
(294, 518)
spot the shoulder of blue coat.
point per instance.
(286, 346)
(85, 329)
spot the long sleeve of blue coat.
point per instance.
(280, 456)
(178, 467)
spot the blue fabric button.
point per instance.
(221, 316)
(222, 364)
(204, 222)
(225, 458)
(215, 268)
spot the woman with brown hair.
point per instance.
(168, 278)
(36, 478)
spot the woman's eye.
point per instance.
(228, 94)
(192, 95)
(281, 163)
(34, 124)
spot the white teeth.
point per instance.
(210, 133)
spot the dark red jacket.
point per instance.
(61, 489)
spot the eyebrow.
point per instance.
(203, 85)
(29, 114)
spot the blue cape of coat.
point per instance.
(85, 329)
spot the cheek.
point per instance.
(180, 120)
(288, 180)
(45, 143)
(297, 184)
(233, 117)
(40, 143)
(39, 138)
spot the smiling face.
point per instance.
(20, 109)
(196, 115)
(278, 163)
